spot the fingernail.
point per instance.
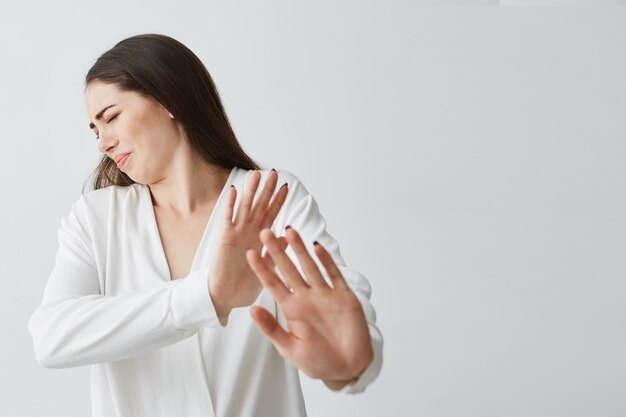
(273, 170)
(316, 243)
(232, 185)
(288, 227)
(284, 185)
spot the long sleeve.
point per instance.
(301, 212)
(76, 325)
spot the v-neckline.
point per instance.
(155, 227)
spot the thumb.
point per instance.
(271, 329)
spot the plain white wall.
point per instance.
(469, 160)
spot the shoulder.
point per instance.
(288, 177)
(96, 203)
(284, 176)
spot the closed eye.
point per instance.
(107, 122)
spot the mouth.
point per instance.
(122, 160)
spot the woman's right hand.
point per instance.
(232, 283)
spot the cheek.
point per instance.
(130, 131)
(152, 137)
(153, 152)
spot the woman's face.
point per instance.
(132, 124)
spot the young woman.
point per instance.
(157, 267)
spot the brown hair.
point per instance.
(160, 67)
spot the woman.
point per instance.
(158, 266)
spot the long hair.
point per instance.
(160, 67)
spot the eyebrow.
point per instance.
(99, 115)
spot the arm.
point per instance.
(76, 325)
(301, 211)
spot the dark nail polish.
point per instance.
(316, 243)
(273, 170)
(284, 185)
(288, 227)
(232, 185)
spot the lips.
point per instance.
(121, 159)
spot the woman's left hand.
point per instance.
(328, 335)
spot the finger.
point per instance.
(248, 196)
(329, 264)
(227, 213)
(270, 327)
(268, 258)
(288, 269)
(309, 266)
(275, 206)
(267, 276)
(283, 242)
(260, 207)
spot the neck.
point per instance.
(188, 187)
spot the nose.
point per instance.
(106, 142)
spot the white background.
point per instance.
(470, 161)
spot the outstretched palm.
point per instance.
(328, 336)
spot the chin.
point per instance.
(133, 177)
(142, 179)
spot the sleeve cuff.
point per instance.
(190, 304)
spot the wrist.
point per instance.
(337, 384)
(222, 310)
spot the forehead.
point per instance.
(99, 94)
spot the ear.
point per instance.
(168, 112)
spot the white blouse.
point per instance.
(155, 345)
